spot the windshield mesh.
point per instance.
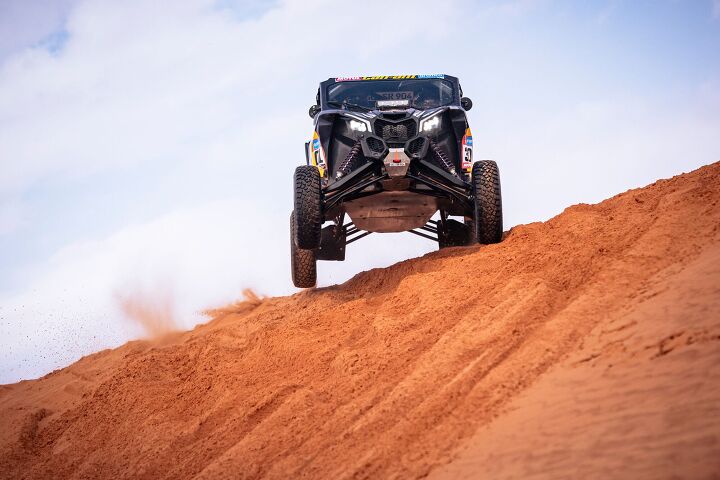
(417, 93)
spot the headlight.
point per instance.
(430, 123)
(358, 126)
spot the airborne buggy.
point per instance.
(390, 152)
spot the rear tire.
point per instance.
(308, 207)
(303, 263)
(487, 216)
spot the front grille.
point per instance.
(397, 131)
(415, 146)
(375, 145)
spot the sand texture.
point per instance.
(587, 346)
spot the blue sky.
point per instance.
(147, 148)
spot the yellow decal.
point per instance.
(317, 154)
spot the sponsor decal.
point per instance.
(389, 77)
(318, 154)
(467, 150)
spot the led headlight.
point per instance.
(430, 124)
(358, 126)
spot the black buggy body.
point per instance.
(390, 152)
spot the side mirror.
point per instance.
(314, 110)
(466, 103)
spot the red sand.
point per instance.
(587, 346)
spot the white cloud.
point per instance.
(134, 74)
(12, 217)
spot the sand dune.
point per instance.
(587, 346)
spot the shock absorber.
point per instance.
(349, 163)
(441, 158)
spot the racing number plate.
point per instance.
(396, 95)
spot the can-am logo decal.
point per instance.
(389, 77)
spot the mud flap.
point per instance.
(453, 234)
(332, 243)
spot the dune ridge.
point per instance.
(584, 346)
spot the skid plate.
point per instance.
(391, 211)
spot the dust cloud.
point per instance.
(153, 311)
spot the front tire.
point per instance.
(487, 217)
(308, 207)
(303, 263)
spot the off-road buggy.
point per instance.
(390, 152)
